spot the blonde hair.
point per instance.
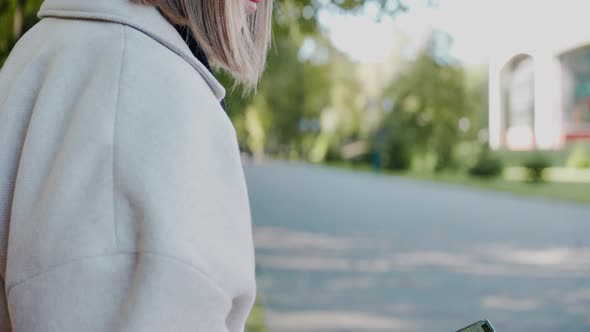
(232, 40)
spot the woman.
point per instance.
(123, 205)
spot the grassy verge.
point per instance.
(567, 191)
(256, 321)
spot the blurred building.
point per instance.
(539, 75)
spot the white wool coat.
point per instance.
(123, 203)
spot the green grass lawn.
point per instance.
(568, 191)
(256, 321)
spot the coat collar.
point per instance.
(141, 17)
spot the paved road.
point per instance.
(344, 251)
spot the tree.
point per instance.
(292, 92)
(431, 98)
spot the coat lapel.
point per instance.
(197, 51)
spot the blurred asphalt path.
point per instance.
(348, 251)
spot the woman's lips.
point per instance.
(251, 7)
(256, 1)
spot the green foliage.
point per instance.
(397, 155)
(488, 165)
(16, 17)
(430, 99)
(476, 78)
(345, 90)
(517, 158)
(255, 322)
(467, 154)
(579, 157)
(535, 165)
(393, 144)
(294, 90)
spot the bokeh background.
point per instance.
(415, 165)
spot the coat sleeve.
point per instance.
(181, 256)
(182, 204)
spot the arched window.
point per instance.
(575, 68)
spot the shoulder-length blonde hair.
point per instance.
(231, 39)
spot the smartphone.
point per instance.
(481, 326)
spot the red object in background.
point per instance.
(577, 136)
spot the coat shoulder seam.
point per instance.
(165, 256)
